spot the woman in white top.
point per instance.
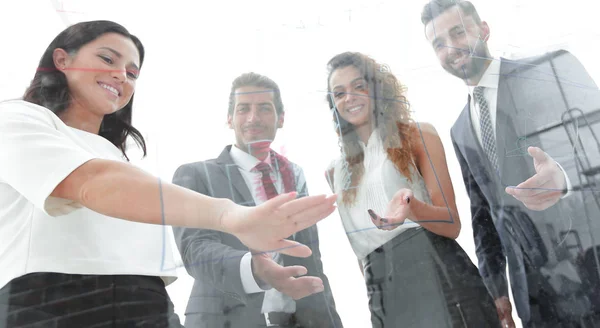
(81, 230)
(397, 205)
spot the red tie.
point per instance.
(268, 184)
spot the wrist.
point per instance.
(226, 219)
(257, 276)
(413, 207)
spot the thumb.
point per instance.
(538, 155)
(405, 195)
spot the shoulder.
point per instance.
(425, 135)
(20, 110)
(423, 127)
(423, 130)
(523, 63)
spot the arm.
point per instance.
(67, 174)
(121, 190)
(204, 255)
(442, 216)
(488, 247)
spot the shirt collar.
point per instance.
(491, 77)
(373, 140)
(246, 161)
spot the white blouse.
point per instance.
(380, 181)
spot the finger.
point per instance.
(529, 187)
(293, 248)
(538, 155)
(278, 201)
(302, 222)
(377, 223)
(377, 220)
(302, 287)
(303, 203)
(540, 200)
(280, 272)
(311, 213)
(406, 194)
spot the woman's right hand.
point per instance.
(264, 228)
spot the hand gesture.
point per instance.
(284, 278)
(504, 309)
(265, 227)
(545, 188)
(397, 211)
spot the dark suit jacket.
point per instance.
(539, 245)
(213, 258)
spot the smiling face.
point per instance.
(350, 93)
(459, 43)
(101, 76)
(254, 119)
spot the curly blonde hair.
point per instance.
(391, 113)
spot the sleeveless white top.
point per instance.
(380, 181)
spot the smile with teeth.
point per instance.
(459, 60)
(354, 109)
(109, 88)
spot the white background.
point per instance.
(195, 49)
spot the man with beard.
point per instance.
(522, 209)
(235, 287)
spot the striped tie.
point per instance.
(267, 182)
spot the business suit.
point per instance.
(218, 298)
(548, 283)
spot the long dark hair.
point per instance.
(391, 114)
(49, 85)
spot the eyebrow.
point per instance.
(248, 104)
(118, 54)
(356, 79)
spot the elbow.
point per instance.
(456, 226)
(455, 232)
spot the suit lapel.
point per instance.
(511, 149)
(236, 181)
(467, 138)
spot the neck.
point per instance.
(364, 132)
(474, 81)
(258, 150)
(81, 120)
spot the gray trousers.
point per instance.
(422, 280)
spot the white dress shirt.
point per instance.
(274, 301)
(490, 81)
(378, 185)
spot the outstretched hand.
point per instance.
(287, 280)
(543, 189)
(265, 227)
(398, 210)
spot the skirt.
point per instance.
(422, 280)
(57, 300)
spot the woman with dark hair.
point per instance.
(397, 205)
(82, 242)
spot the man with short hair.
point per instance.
(521, 211)
(236, 287)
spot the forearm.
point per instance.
(124, 191)
(440, 220)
